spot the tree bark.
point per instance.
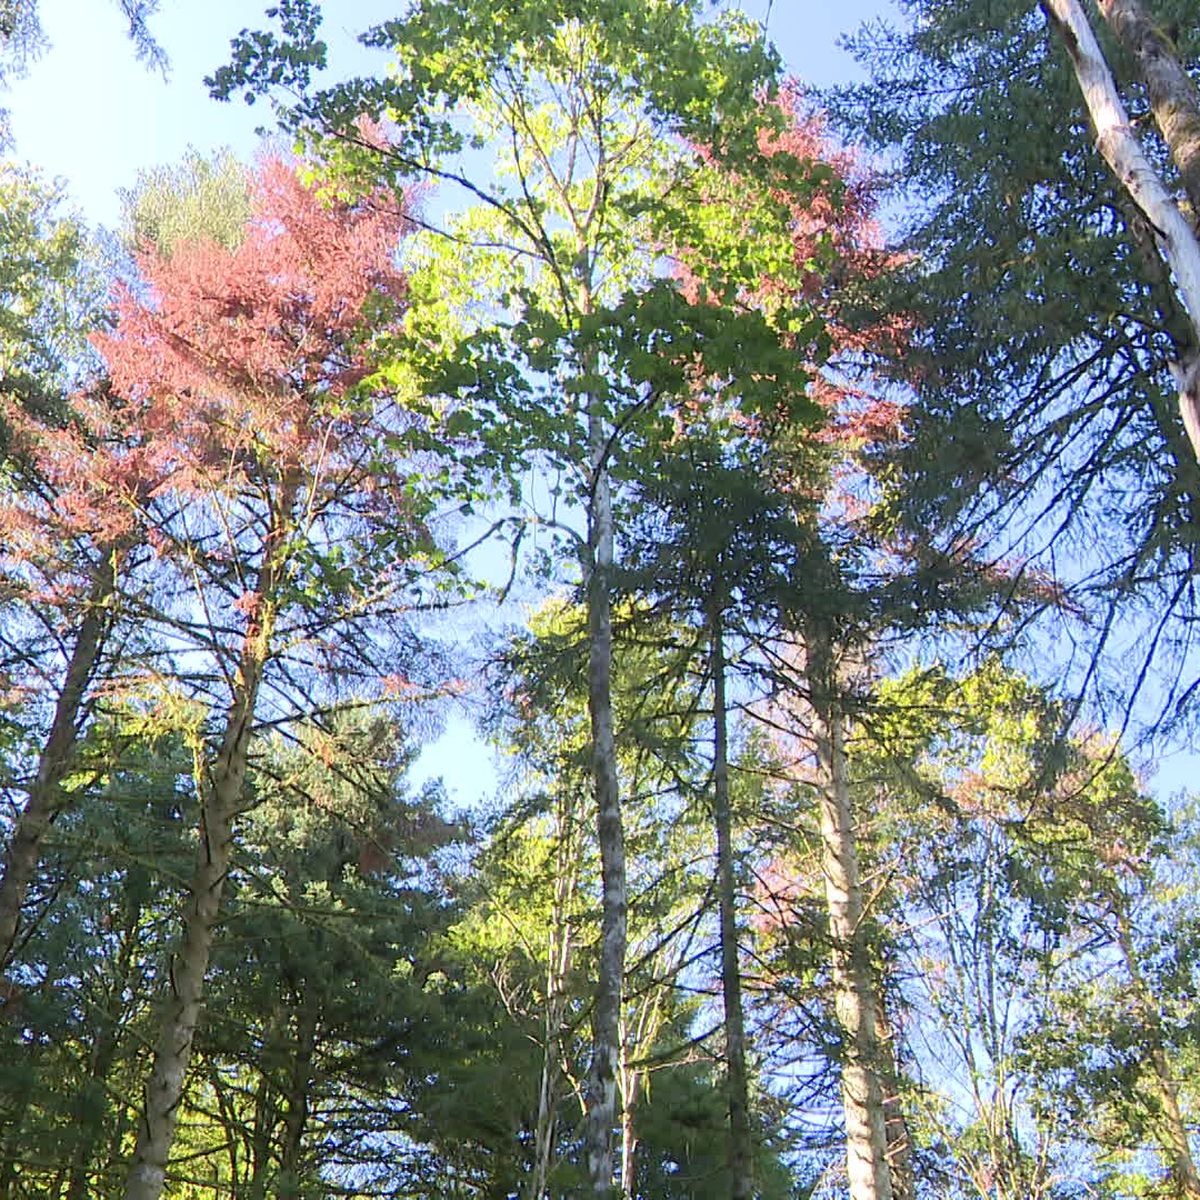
(221, 791)
(1118, 144)
(104, 1048)
(1174, 97)
(559, 954)
(298, 1098)
(895, 1122)
(741, 1156)
(45, 797)
(856, 1005)
(601, 1090)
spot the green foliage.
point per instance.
(197, 200)
(1042, 322)
(1033, 912)
(51, 291)
(80, 1004)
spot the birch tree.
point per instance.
(570, 341)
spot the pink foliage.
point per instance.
(228, 361)
(90, 485)
(838, 220)
(248, 352)
(835, 240)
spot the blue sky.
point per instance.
(90, 114)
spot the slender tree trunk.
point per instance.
(265, 1112)
(895, 1123)
(630, 1083)
(1118, 144)
(221, 792)
(298, 1098)
(45, 796)
(104, 1049)
(560, 953)
(601, 1089)
(741, 1155)
(853, 981)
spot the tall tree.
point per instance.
(251, 361)
(69, 506)
(586, 112)
(1046, 431)
(1175, 102)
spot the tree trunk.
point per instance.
(856, 1005)
(630, 1083)
(298, 1098)
(1174, 97)
(45, 797)
(601, 1090)
(895, 1123)
(221, 793)
(741, 1156)
(104, 1049)
(1118, 144)
(560, 952)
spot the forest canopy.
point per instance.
(793, 493)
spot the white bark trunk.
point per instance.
(1174, 96)
(601, 1090)
(854, 991)
(1119, 145)
(221, 788)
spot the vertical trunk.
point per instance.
(543, 1133)
(601, 1090)
(263, 1128)
(895, 1123)
(641, 1024)
(741, 1158)
(298, 1097)
(221, 793)
(631, 1081)
(104, 1050)
(1174, 96)
(560, 952)
(45, 797)
(1118, 144)
(854, 989)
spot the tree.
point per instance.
(581, 345)
(80, 1004)
(334, 919)
(1175, 102)
(197, 200)
(250, 361)
(1045, 433)
(72, 492)
(1003, 853)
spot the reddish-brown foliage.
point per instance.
(234, 356)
